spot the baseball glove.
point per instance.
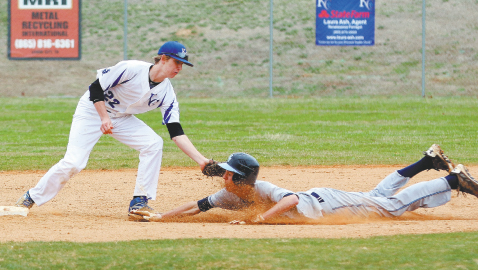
(213, 169)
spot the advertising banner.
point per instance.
(345, 23)
(44, 29)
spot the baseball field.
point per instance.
(341, 117)
(91, 209)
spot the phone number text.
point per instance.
(44, 43)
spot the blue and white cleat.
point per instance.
(138, 205)
(25, 201)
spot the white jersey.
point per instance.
(127, 91)
(309, 205)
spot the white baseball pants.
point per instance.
(84, 134)
(383, 200)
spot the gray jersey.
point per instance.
(316, 202)
(308, 206)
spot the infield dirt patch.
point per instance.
(93, 207)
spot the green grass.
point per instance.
(229, 43)
(438, 251)
(352, 130)
(325, 131)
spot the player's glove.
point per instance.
(213, 169)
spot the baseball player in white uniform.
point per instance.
(242, 190)
(108, 107)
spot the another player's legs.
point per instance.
(434, 159)
(427, 194)
(84, 134)
(388, 186)
(424, 194)
(432, 193)
(136, 134)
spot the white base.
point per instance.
(13, 210)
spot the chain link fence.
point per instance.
(228, 41)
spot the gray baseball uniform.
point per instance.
(318, 202)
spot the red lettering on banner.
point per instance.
(349, 14)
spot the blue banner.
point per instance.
(345, 23)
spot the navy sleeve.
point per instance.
(204, 204)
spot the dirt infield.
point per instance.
(92, 207)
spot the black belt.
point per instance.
(317, 197)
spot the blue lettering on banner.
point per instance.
(345, 23)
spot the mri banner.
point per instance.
(44, 29)
(345, 23)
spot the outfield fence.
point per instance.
(229, 43)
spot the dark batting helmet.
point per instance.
(245, 168)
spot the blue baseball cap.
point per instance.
(176, 50)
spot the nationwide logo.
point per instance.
(368, 4)
(323, 4)
(45, 4)
(344, 14)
